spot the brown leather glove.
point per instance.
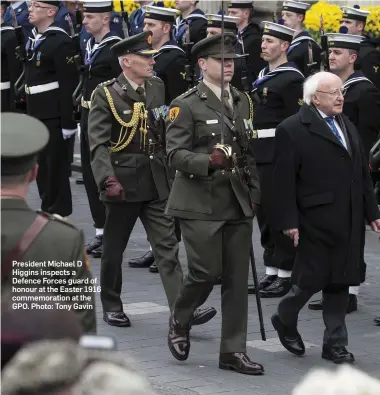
(114, 190)
(217, 160)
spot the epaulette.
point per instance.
(55, 217)
(189, 92)
(156, 79)
(105, 83)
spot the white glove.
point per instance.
(67, 133)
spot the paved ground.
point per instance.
(144, 344)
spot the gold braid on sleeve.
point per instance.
(250, 106)
(139, 118)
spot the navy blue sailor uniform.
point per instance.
(50, 80)
(21, 12)
(101, 64)
(170, 68)
(197, 23)
(277, 95)
(11, 68)
(304, 51)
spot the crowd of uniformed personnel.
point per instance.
(145, 93)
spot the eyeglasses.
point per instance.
(336, 93)
(31, 5)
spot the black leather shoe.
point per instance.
(202, 315)
(240, 362)
(153, 268)
(352, 303)
(79, 181)
(94, 244)
(145, 261)
(376, 320)
(351, 307)
(264, 282)
(289, 337)
(337, 354)
(316, 305)
(178, 340)
(280, 287)
(97, 253)
(118, 318)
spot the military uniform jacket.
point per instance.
(299, 53)
(362, 107)
(50, 60)
(325, 191)
(58, 241)
(249, 43)
(11, 67)
(170, 67)
(368, 61)
(197, 23)
(22, 18)
(193, 128)
(101, 64)
(277, 95)
(140, 165)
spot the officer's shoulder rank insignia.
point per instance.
(189, 92)
(173, 113)
(55, 217)
(300, 102)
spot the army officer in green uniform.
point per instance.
(213, 195)
(126, 124)
(32, 239)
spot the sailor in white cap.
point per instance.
(100, 64)
(249, 44)
(362, 106)
(304, 50)
(354, 19)
(278, 95)
(214, 24)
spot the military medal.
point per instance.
(38, 62)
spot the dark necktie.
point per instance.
(226, 103)
(331, 123)
(141, 92)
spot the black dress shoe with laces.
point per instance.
(264, 282)
(337, 354)
(202, 315)
(178, 340)
(279, 288)
(240, 362)
(376, 320)
(96, 242)
(116, 318)
(145, 261)
(289, 337)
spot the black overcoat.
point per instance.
(324, 190)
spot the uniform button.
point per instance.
(116, 162)
(148, 127)
(233, 171)
(150, 140)
(353, 182)
(191, 176)
(212, 134)
(234, 139)
(151, 157)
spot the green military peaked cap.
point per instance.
(22, 138)
(140, 44)
(214, 45)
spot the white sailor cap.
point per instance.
(97, 6)
(341, 40)
(279, 31)
(215, 20)
(240, 4)
(160, 13)
(295, 6)
(355, 13)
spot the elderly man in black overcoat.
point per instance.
(322, 191)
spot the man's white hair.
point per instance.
(311, 85)
(346, 380)
(120, 59)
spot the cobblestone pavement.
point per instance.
(145, 343)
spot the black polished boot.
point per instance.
(94, 244)
(118, 318)
(264, 282)
(145, 261)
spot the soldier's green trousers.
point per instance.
(214, 249)
(120, 220)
